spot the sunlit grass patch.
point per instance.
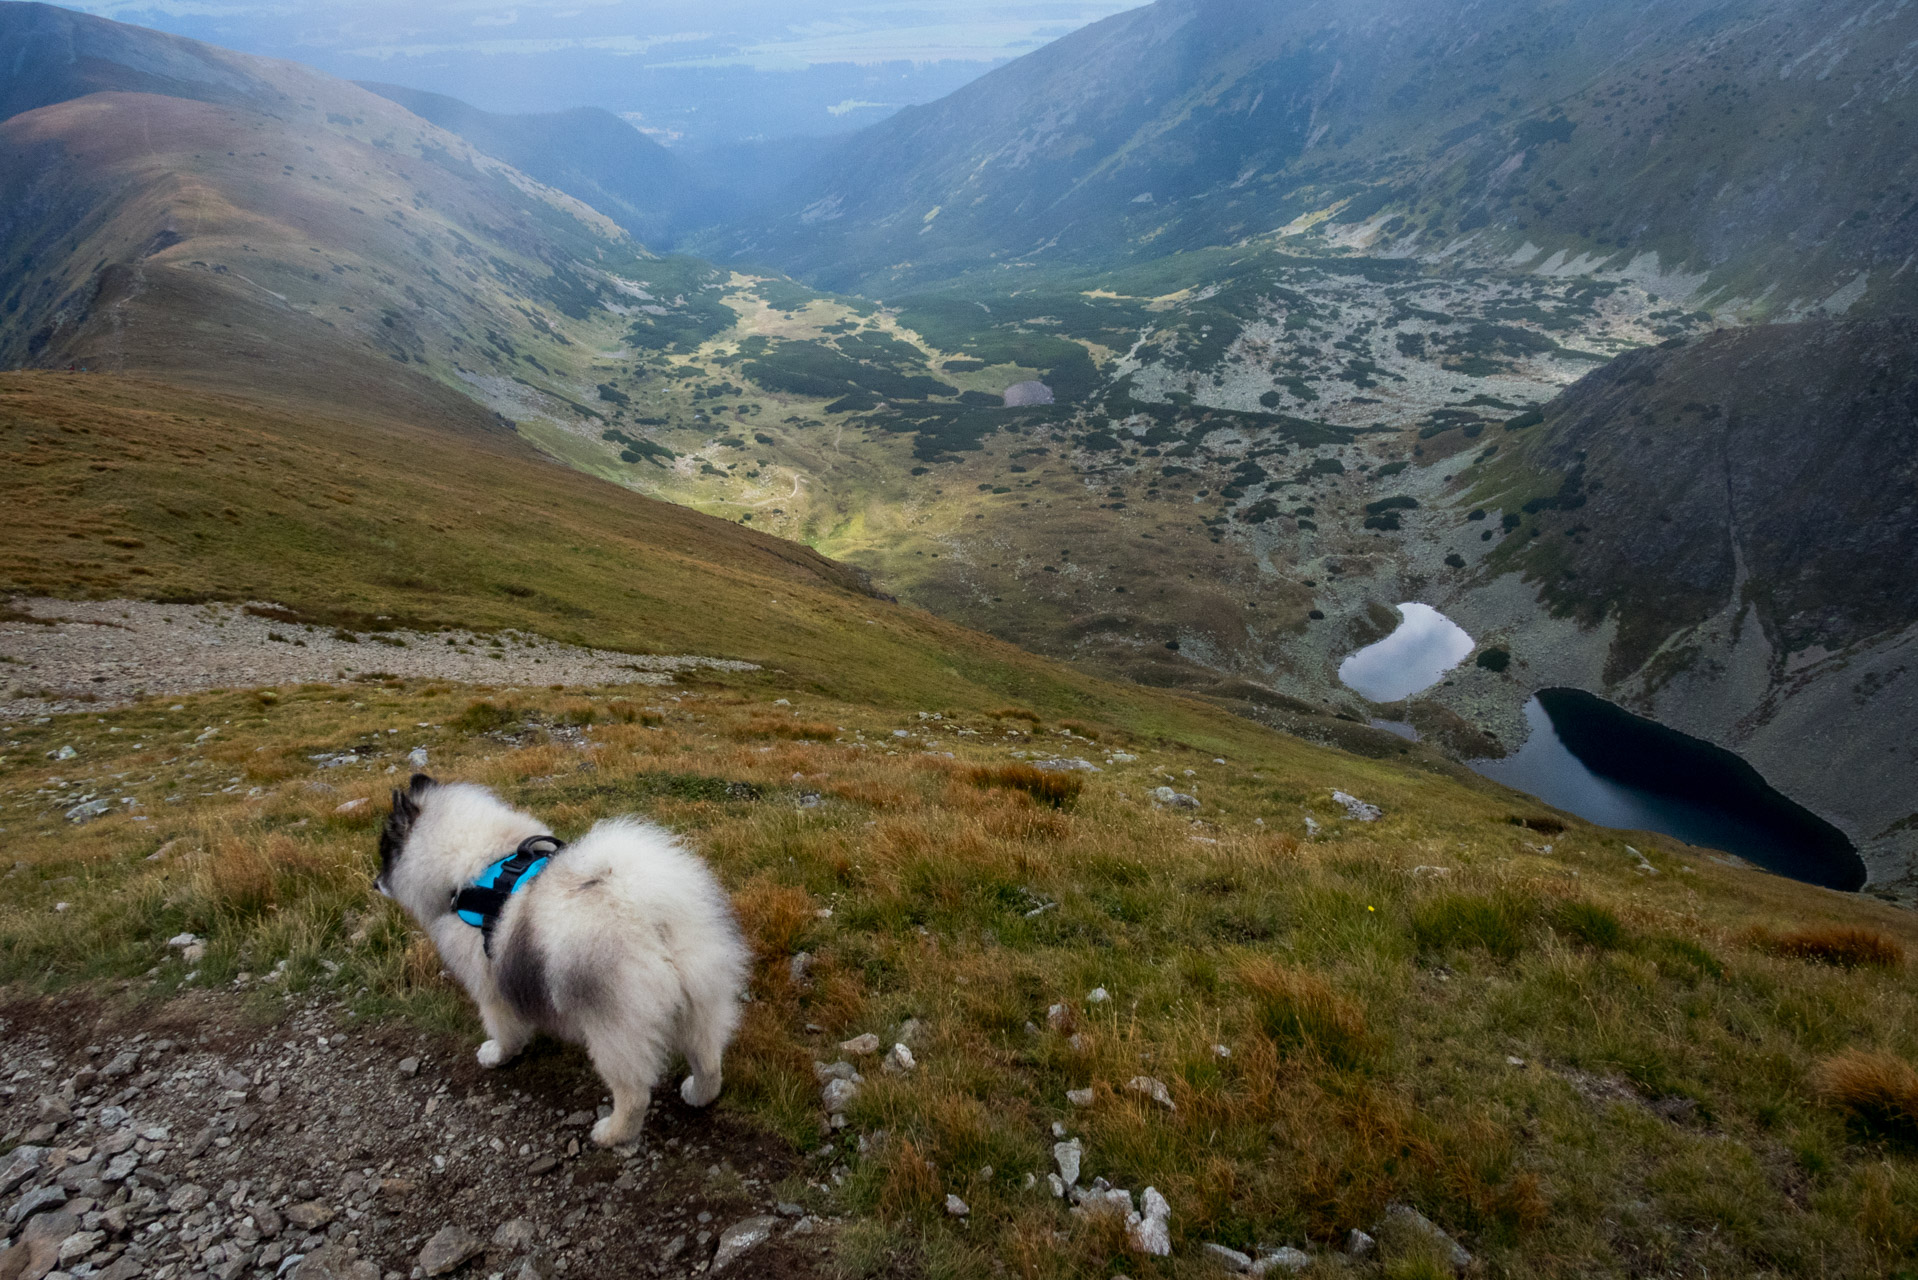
(1282, 1034)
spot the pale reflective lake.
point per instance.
(1418, 653)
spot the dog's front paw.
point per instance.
(608, 1134)
(490, 1054)
(697, 1092)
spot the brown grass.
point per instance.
(761, 727)
(1877, 1090)
(1015, 713)
(1299, 1012)
(1058, 788)
(1848, 946)
(773, 916)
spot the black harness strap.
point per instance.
(481, 903)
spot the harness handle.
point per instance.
(480, 904)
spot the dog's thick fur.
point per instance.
(624, 943)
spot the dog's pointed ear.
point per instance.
(399, 823)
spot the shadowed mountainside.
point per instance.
(587, 153)
(1733, 524)
(1764, 145)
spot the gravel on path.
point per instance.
(112, 652)
(197, 1140)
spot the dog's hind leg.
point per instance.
(703, 1040)
(630, 1067)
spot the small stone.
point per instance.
(1358, 1244)
(1067, 1155)
(542, 1164)
(409, 1066)
(1079, 1097)
(87, 811)
(39, 1200)
(1153, 1088)
(417, 757)
(799, 967)
(194, 954)
(120, 1167)
(1230, 1259)
(1286, 1259)
(351, 806)
(860, 1045)
(742, 1237)
(787, 1209)
(328, 1262)
(1356, 809)
(673, 1248)
(123, 1063)
(1057, 1184)
(824, 1071)
(1402, 1221)
(1150, 1230)
(450, 1246)
(22, 1163)
(52, 1110)
(1510, 1061)
(1058, 1017)
(898, 1061)
(1098, 995)
(269, 1222)
(838, 1094)
(956, 1207)
(515, 1235)
(577, 1118)
(311, 1215)
(1170, 799)
(179, 940)
(78, 1245)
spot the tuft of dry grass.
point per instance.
(1056, 787)
(1299, 1012)
(1848, 946)
(1016, 713)
(1877, 1090)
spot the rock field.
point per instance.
(205, 1138)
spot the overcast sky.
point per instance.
(711, 68)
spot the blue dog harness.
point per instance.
(480, 903)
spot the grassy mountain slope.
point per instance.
(588, 153)
(1727, 526)
(1761, 146)
(1573, 1064)
(296, 232)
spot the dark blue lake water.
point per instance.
(1599, 761)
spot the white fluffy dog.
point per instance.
(622, 941)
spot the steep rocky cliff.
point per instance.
(1724, 535)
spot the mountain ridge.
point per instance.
(1550, 134)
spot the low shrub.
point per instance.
(1877, 1091)
(483, 717)
(1300, 1013)
(1457, 921)
(791, 730)
(1848, 946)
(1058, 788)
(1588, 923)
